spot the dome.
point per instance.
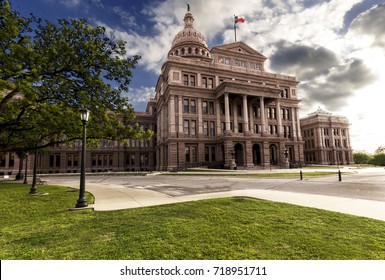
(189, 42)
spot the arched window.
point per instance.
(189, 51)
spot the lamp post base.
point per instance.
(81, 203)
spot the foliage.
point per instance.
(40, 227)
(380, 150)
(361, 158)
(378, 159)
(50, 71)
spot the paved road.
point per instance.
(360, 193)
(366, 184)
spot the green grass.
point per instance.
(41, 227)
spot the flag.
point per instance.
(239, 19)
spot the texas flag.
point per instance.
(239, 19)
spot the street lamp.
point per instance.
(286, 152)
(84, 114)
(232, 164)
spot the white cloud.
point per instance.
(70, 3)
(138, 95)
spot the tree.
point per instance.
(378, 159)
(380, 150)
(50, 71)
(361, 158)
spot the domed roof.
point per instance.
(189, 42)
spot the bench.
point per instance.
(39, 181)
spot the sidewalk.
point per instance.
(115, 197)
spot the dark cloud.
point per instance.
(303, 61)
(336, 88)
(325, 80)
(371, 22)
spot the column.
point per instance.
(227, 112)
(263, 120)
(245, 115)
(235, 115)
(200, 118)
(251, 117)
(279, 116)
(180, 116)
(218, 112)
(171, 110)
(320, 138)
(294, 126)
(298, 125)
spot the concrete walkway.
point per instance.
(110, 195)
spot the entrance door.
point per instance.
(239, 159)
(256, 154)
(273, 154)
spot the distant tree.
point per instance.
(380, 150)
(378, 159)
(51, 70)
(361, 158)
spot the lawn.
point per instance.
(41, 227)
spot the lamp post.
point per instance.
(286, 152)
(232, 164)
(84, 114)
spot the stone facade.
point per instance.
(327, 139)
(223, 109)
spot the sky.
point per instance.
(335, 48)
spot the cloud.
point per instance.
(335, 89)
(371, 24)
(305, 62)
(70, 3)
(139, 95)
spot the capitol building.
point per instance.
(218, 108)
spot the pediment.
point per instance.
(238, 48)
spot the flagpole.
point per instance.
(235, 30)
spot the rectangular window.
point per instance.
(210, 83)
(3, 160)
(205, 107)
(222, 109)
(211, 108)
(192, 81)
(207, 155)
(193, 106)
(93, 160)
(187, 154)
(186, 106)
(223, 127)
(256, 128)
(186, 127)
(240, 128)
(204, 82)
(185, 80)
(194, 155)
(212, 128)
(212, 154)
(193, 127)
(206, 128)
(239, 108)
